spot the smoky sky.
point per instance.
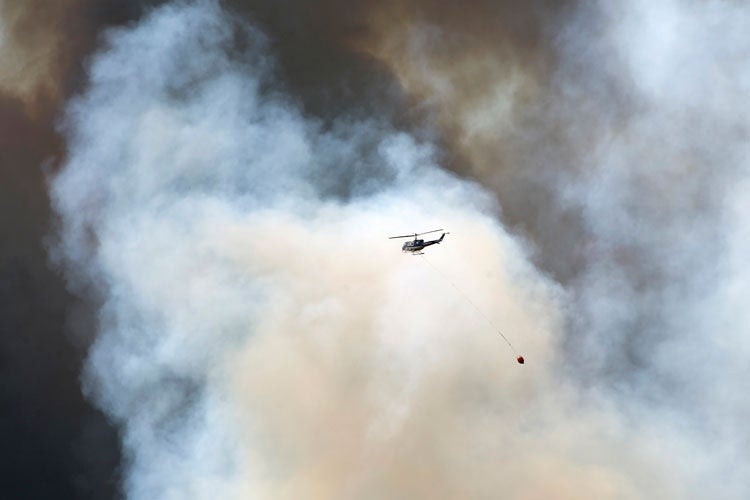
(598, 151)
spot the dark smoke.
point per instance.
(309, 41)
(55, 444)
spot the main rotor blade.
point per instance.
(414, 235)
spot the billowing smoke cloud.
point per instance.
(259, 336)
(619, 147)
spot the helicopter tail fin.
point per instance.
(441, 237)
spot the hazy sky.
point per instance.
(200, 299)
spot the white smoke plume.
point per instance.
(260, 338)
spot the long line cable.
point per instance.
(466, 297)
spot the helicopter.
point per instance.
(416, 246)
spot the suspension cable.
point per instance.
(519, 358)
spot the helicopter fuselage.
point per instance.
(418, 245)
